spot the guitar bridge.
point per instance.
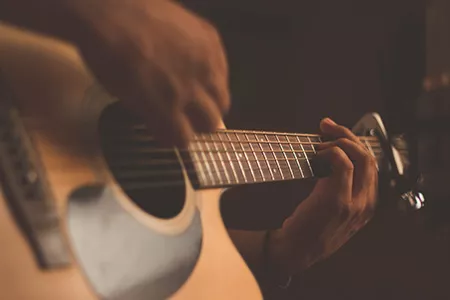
(25, 191)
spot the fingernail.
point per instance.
(329, 121)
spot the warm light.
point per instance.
(420, 200)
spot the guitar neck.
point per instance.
(235, 157)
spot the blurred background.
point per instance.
(295, 62)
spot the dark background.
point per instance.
(295, 62)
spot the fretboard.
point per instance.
(233, 157)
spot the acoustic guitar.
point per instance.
(92, 208)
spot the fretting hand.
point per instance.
(339, 206)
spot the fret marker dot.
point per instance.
(274, 170)
(240, 155)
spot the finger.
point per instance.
(168, 129)
(364, 177)
(341, 177)
(171, 129)
(363, 162)
(217, 88)
(202, 113)
(329, 127)
(213, 72)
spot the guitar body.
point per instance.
(107, 246)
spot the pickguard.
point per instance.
(122, 257)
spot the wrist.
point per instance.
(275, 259)
(284, 258)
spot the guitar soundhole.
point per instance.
(150, 176)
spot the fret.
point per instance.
(256, 176)
(294, 156)
(307, 171)
(261, 156)
(255, 168)
(217, 155)
(234, 159)
(213, 162)
(203, 179)
(212, 176)
(254, 155)
(284, 168)
(276, 158)
(310, 141)
(259, 137)
(221, 139)
(272, 170)
(289, 154)
(285, 156)
(369, 147)
(239, 156)
(317, 140)
(218, 171)
(274, 167)
(226, 165)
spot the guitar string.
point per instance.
(218, 174)
(235, 138)
(171, 150)
(371, 141)
(253, 132)
(165, 161)
(232, 137)
(153, 149)
(373, 144)
(194, 180)
(177, 171)
(123, 166)
(151, 139)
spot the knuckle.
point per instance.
(348, 166)
(369, 161)
(337, 152)
(343, 142)
(225, 104)
(372, 161)
(223, 98)
(212, 32)
(344, 131)
(342, 159)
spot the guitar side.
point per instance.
(49, 75)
